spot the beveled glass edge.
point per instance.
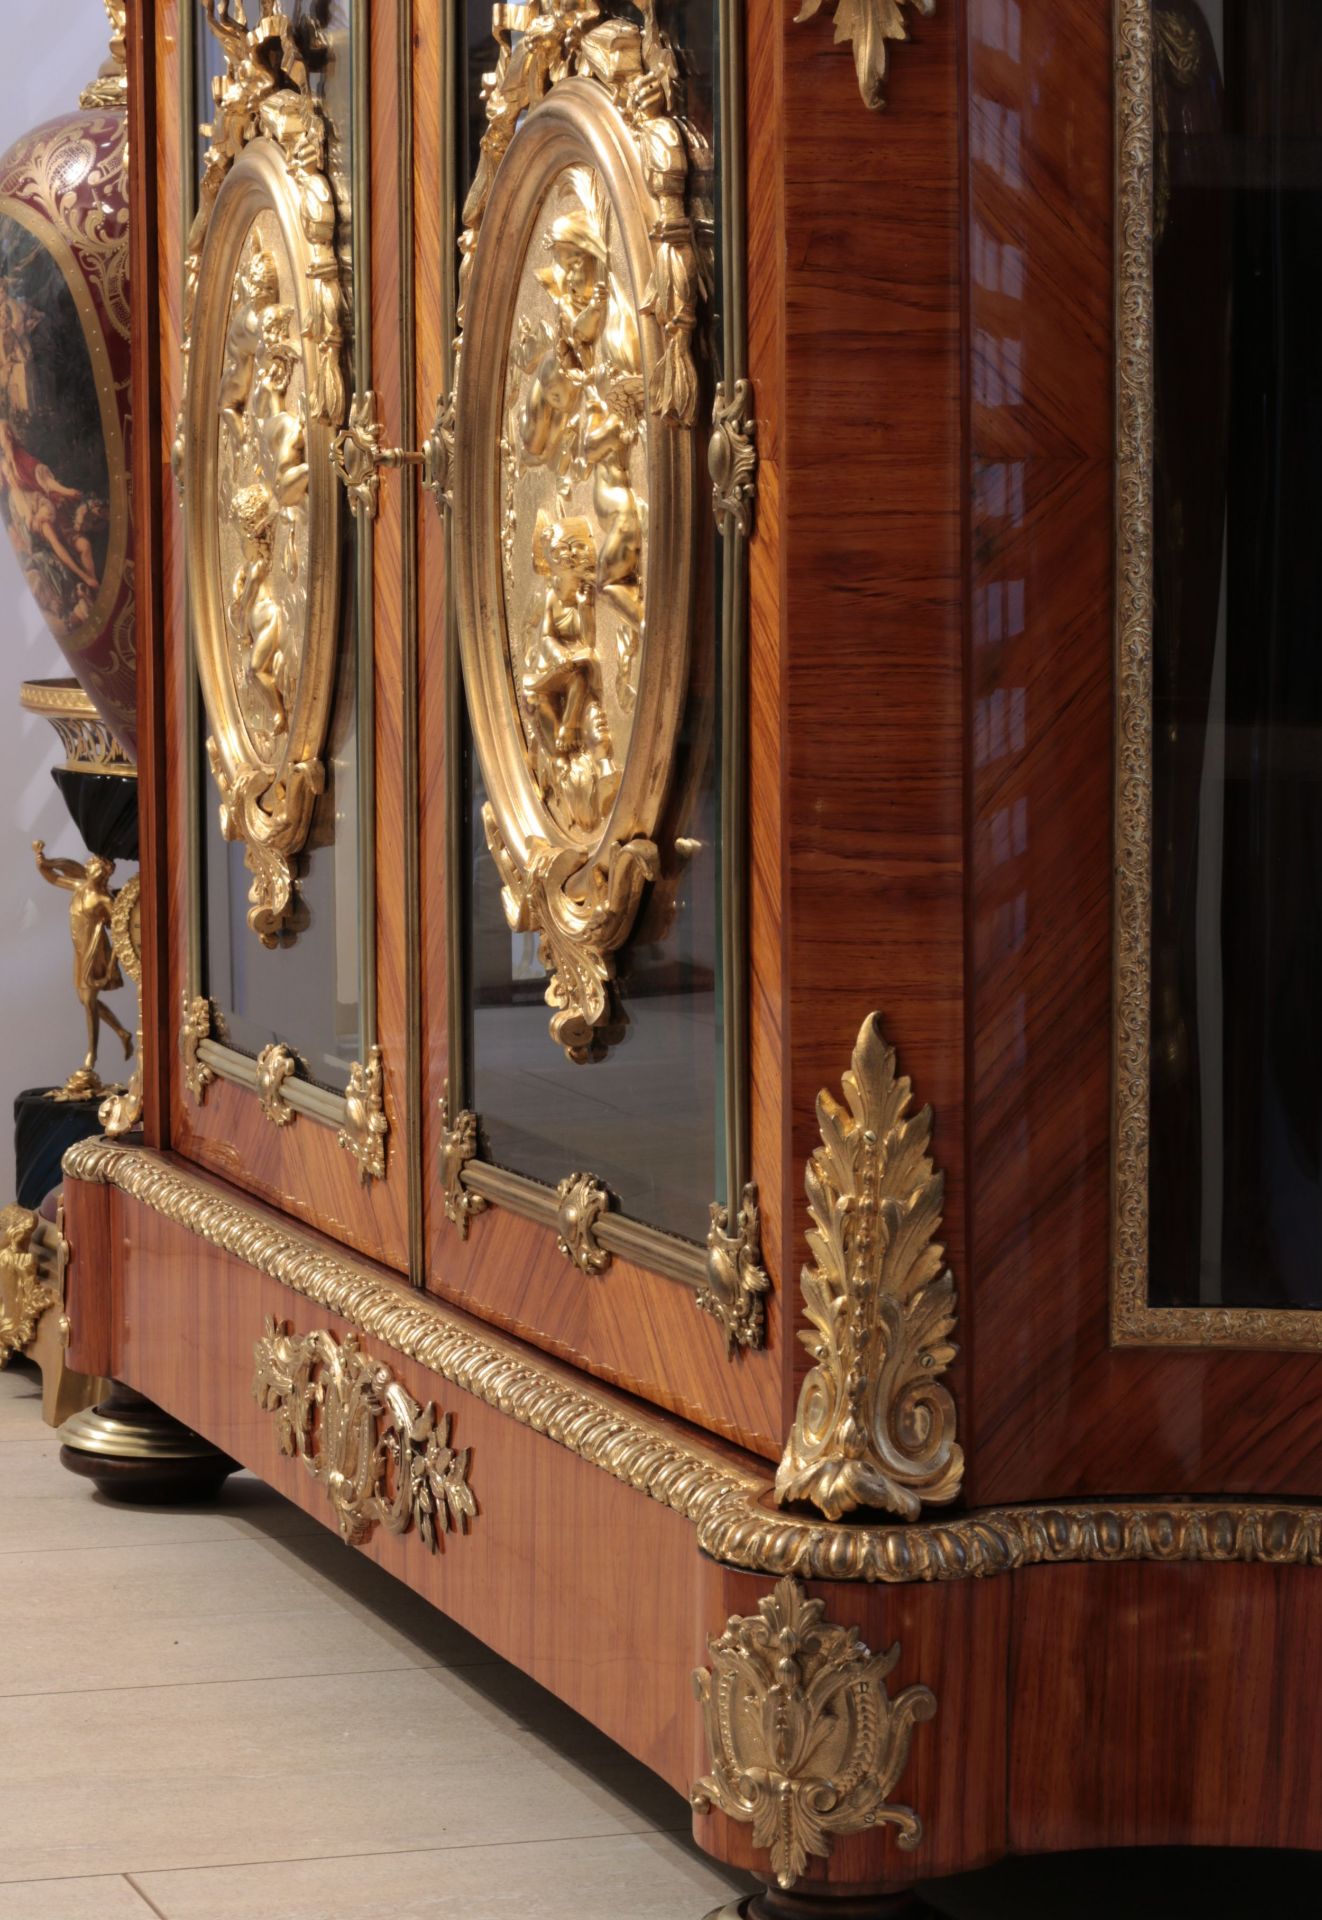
(1135, 1322)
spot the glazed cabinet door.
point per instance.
(284, 588)
(592, 1164)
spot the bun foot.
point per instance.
(130, 1450)
(821, 1905)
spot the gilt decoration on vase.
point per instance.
(64, 382)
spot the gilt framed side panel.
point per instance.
(1217, 1199)
(1058, 741)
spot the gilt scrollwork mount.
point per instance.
(574, 411)
(581, 1200)
(458, 1145)
(732, 457)
(196, 1025)
(875, 1426)
(265, 396)
(275, 1065)
(806, 1741)
(869, 26)
(383, 1459)
(734, 1287)
(25, 1295)
(366, 1126)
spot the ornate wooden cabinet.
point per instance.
(708, 1100)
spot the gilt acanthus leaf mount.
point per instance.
(875, 1425)
(870, 26)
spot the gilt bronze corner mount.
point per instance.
(805, 1738)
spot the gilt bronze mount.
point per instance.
(574, 449)
(265, 397)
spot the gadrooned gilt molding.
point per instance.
(726, 1504)
(870, 25)
(805, 1740)
(575, 401)
(382, 1459)
(264, 394)
(875, 1426)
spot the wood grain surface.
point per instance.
(549, 1572)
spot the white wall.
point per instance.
(41, 1025)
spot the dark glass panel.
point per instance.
(305, 992)
(1236, 1119)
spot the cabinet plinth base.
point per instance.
(131, 1450)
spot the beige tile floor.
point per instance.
(223, 1714)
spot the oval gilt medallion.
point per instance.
(575, 485)
(265, 395)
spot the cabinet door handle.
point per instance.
(358, 456)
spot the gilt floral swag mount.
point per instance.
(264, 396)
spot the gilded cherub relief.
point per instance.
(575, 514)
(264, 477)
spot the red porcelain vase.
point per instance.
(64, 383)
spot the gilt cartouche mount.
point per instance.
(575, 403)
(264, 398)
(383, 1459)
(806, 1742)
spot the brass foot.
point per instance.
(131, 1450)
